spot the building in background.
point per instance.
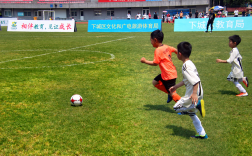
(83, 10)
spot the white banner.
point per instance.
(4, 21)
(41, 25)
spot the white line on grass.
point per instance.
(72, 49)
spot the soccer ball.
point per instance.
(76, 100)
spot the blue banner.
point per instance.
(220, 24)
(146, 25)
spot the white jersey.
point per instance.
(190, 78)
(235, 60)
(138, 16)
(128, 16)
(236, 12)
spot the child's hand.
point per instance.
(143, 60)
(172, 89)
(218, 60)
(194, 98)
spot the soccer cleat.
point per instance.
(169, 98)
(200, 136)
(201, 107)
(206, 31)
(245, 81)
(242, 94)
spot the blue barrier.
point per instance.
(147, 25)
(220, 24)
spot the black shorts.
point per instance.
(167, 83)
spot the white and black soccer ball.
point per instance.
(76, 100)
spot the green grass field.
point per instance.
(122, 113)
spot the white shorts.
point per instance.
(185, 105)
(232, 77)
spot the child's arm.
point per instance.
(194, 96)
(173, 88)
(221, 61)
(174, 50)
(143, 60)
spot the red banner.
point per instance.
(102, 1)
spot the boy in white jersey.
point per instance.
(193, 99)
(236, 74)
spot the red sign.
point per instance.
(102, 1)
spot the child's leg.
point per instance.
(207, 26)
(197, 124)
(175, 96)
(244, 80)
(243, 92)
(180, 106)
(191, 111)
(211, 26)
(239, 87)
(159, 85)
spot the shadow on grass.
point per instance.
(159, 107)
(180, 131)
(228, 92)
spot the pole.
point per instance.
(69, 9)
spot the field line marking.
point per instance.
(64, 50)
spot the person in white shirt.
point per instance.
(193, 99)
(128, 16)
(138, 16)
(144, 16)
(236, 74)
(236, 12)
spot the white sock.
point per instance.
(239, 87)
(197, 124)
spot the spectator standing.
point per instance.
(144, 16)
(149, 15)
(236, 12)
(190, 14)
(243, 13)
(181, 14)
(226, 13)
(210, 20)
(163, 17)
(155, 15)
(177, 15)
(128, 16)
(200, 14)
(138, 16)
(196, 14)
(168, 15)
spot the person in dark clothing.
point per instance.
(243, 13)
(190, 15)
(210, 20)
(155, 15)
(163, 17)
(196, 14)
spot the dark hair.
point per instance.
(235, 38)
(158, 34)
(185, 49)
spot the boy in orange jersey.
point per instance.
(162, 57)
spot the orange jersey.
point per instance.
(162, 57)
